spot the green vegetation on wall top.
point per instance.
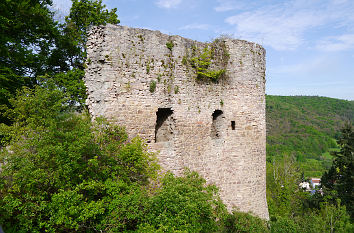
(209, 62)
(202, 65)
(170, 45)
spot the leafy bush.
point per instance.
(202, 63)
(284, 224)
(238, 222)
(328, 218)
(184, 204)
(63, 172)
(170, 45)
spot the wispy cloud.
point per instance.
(228, 5)
(195, 26)
(279, 27)
(168, 3)
(310, 65)
(339, 1)
(337, 43)
(285, 25)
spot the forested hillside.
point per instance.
(305, 127)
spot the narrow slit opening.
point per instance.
(233, 125)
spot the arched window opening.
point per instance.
(164, 127)
(216, 125)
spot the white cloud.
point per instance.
(195, 26)
(228, 5)
(285, 25)
(337, 43)
(168, 3)
(339, 1)
(277, 27)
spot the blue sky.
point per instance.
(309, 43)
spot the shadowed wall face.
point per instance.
(146, 81)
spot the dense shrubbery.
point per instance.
(184, 204)
(328, 218)
(63, 171)
(243, 222)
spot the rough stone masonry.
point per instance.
(148, 82)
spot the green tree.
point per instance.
(71, 45)
(33, 44)
(62, 172)
(285, 197)
(28, 32)
(329, 218)
(285, 224)
(340, 177)
(83, 15)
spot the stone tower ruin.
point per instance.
(200, 105)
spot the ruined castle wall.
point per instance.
(217, 129)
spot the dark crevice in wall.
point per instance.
(164, 128)
(216, 126)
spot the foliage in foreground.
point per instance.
(189, 205)
(338, 182)
(328, 218)
(284, 196)
(243, 222)
(293, 210)
(63, 172)
(33, 44)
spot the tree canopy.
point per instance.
(33, 45)
(28, 32)
(340, 177)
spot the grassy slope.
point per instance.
(305, 127)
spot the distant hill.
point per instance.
(306, 127)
